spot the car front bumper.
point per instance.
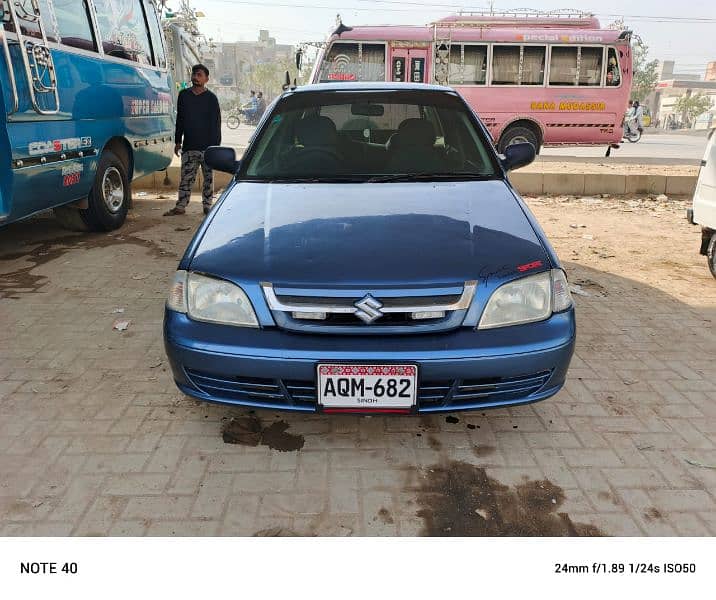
(460, 370)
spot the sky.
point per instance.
(680, 30)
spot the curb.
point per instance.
(572, 184)
(591, 184)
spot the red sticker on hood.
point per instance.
(529, 266)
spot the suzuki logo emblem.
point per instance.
(368, 309)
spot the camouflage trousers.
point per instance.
(191, 160)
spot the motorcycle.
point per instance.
(235, 119)
(632, 134)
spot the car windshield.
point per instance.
(370, 136)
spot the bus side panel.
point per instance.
(566, 116)
(5, 151)
(99, 100)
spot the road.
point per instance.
(667, 148)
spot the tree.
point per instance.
(270, 77)
(645, 71)
(691, 106)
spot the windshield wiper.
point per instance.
(430, 177)
(304, 180)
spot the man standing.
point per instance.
(198, 127)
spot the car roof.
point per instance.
(366, 86)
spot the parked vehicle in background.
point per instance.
(703, 211)
(85, 107)
(550, 79)
(370, 255)
(706, 120)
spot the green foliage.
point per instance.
(270, 77)
(646, 73)
(692, 106)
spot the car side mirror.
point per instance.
(222, 159)
(518, 155)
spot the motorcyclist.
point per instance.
(639, 116)
(630, 125)
(251, 109)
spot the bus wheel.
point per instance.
(711, 254)
(518, 134)
(70, 218)
(110, 195)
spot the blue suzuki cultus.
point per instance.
(370, 256)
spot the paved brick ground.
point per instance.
(96, 440)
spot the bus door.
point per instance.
(409, 65)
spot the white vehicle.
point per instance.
(704, 206)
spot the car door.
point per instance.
(705, 195)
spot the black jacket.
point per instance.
(198, 120)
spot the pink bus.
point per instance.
(547, 78)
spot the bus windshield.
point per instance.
(366, 135)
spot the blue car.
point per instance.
(370, 256)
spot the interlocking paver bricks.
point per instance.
(96, 440)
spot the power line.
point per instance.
(637, 18)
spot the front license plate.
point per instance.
(366, 387)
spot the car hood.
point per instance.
(367, 233)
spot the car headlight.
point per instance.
(527, 300)
(214, 300)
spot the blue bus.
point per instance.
(85, 107)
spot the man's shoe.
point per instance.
(175, 211)
(207, 209)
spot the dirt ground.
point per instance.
(639, 238)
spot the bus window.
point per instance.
(354, 62)
(160, 59)
(563, 66)
(29, 28)
(123, 30)
(613, 71)
(505, 65)
(590, 66)
(74, 25)
(468, 64)
(533, 62)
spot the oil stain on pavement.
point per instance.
(249, 431)
(460, 499)
(22, 280)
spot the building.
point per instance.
(672, 86)
(235, 62)
(710, 71)
(667, 73)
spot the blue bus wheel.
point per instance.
(108, 201)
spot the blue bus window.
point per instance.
(123, 30)
(74, 25)
(160, 59)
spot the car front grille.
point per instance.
(369, 311)
(431, 394)
(460, 392)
